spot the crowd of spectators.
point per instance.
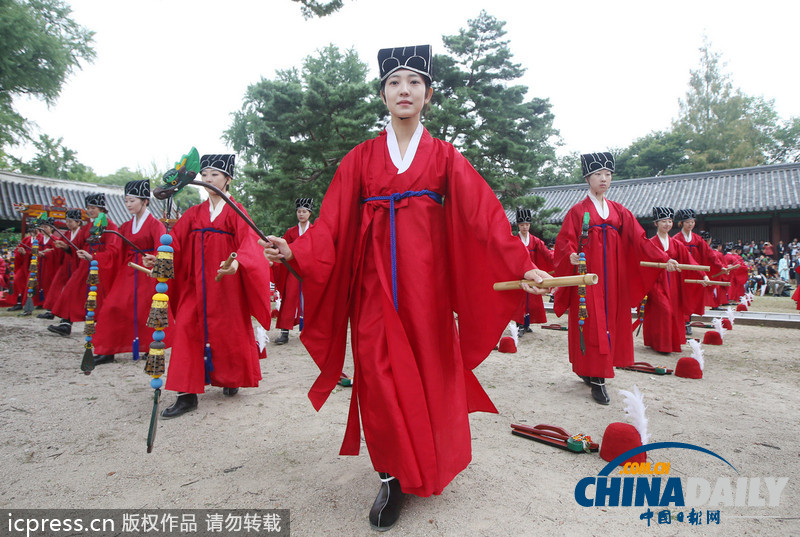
(774, 269)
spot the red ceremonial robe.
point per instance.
(533, 305)
(222, 309)
(413, 382)
(48, 264)
(67, 261)
(738, 277)
(289, 288)
(613, 251)
(71, 305)
(669, 300)
(796, 297)
(717, 295)
(704, 255)
(127, 305)
(19, 287)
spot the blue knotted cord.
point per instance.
(392, 198)
(209, 364)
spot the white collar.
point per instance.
(687, 238)
(525, 241)
(664, 242)
(302, 229)
(601, 206)
(402, 163)
(214, 212)
(137, 224)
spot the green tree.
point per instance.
(55, 161)
(722, 127)
(480, 110)
(658, 153)
(315, 8)
(40, 46)
(293, 131)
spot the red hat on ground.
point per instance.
(619, 438)
(691, 367)
(741, 307)
(727, 324)
(507, 345)
(712, 337)
(688, 368)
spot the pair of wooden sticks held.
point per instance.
(217, 278)
(700, 268)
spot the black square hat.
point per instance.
(98, 199)
(685, 214)
(305, 203)
(224, 163)
(414, 58)
(524, 215)
(660, 213)
(74, 214)
(138, 189)
(594, 162)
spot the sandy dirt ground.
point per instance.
(76, 441)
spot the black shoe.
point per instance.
(283, 338)
(63, 329)
(100, 359)
(386, 509)
(15, 307)
(230, 392)
(599, 390)
(186, 402)
(586, 380)
(45, 315)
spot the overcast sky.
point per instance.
(169, 73)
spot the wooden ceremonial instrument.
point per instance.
(732, 267)
(225, 265)
(701, 268)
(563, 281)
(721, 284)
(140, 268)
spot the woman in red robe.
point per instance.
(389, 254)
(121, 324)
(700, 251)
(291, 311)
(670, 298)
(22, 261)
(64, 256)
(212, 318)
(615, 245)
(531, 308)
(71, 305)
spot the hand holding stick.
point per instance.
(726, 270)
(140, 268)
(547, 283)
(701, 268)
(225, 265)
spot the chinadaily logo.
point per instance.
(670, 499)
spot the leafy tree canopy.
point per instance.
(40, 46)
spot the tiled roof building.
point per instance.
(759, 203)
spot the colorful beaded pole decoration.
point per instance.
(158, 320)
(33, 278)
(87, 364)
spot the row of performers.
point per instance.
(388, 260)
(613, 245)
(210, 305)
